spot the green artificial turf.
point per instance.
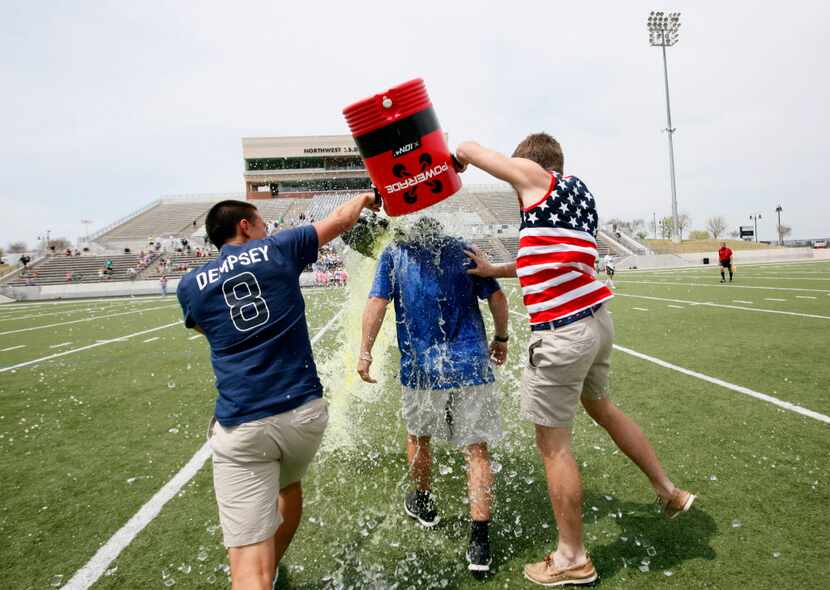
(87, 438)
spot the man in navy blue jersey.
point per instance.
(270, 415)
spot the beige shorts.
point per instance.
(564, 365)
(252, 462)
(463, 416)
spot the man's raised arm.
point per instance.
(526, 176)
(344, 217)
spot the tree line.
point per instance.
(715, 227)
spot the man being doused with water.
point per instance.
(448, 384)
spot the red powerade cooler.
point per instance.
(403, 146)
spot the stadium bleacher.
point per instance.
(53, 270)
(178, 265)
(487, 215)
(322, 205)
(501, 203)
(165, 219)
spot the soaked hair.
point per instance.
(223, 219)
(542, 149)
(426, 232)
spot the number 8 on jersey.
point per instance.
(244, 298)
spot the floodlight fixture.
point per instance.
(663, 32)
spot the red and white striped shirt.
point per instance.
(558, 252)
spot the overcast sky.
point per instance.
(107, 105)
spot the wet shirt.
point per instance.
(440, 330)
(248, 303)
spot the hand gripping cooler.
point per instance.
(403, 147)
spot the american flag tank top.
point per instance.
(558, 252)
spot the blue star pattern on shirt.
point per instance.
(571, 206)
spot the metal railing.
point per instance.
(94, 236)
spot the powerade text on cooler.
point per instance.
(403, 147)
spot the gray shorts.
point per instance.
(252, 462)
(463, 416)
(564, 365)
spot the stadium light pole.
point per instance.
(755, 218)
(86, 223)
(663, 32)
(778, 210)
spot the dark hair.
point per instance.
(224, 217)
(542, 149)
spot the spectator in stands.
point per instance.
(446, 377)
(270, 416)
(68, 252)
(163, 285)
(24, 261)
(109, 264)
(69, 276)
(131, 273)
(725, 259)
(571, 340)
(77, 252)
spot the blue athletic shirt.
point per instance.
(248, 303)
(440, 330)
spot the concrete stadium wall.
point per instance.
(770, 255)
(654, 261)
(96, 290)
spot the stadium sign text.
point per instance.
(330, 150)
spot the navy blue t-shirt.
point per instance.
(440, 331)
(248, 303)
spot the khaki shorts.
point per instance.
(463, 416)
(564, 365)
(252, 462)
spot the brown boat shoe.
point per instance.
(545, 573)
(680, 502)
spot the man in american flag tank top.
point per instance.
(572, 336)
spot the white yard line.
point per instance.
(738, 388)
(741, 301)
(720, 382)
(777, 266)
(107, 553)
(13, 318)
(99, 317)
(13, 348)
(774, 299)
(87, 347)
(725, 306)
(153, 339)
(719, 286)
(805, 297)
(675, 306)
(780, 278)
(61, 345)
(194, 337)
(640, 308)
(33, 304)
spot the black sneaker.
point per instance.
(421, 507)
(478, 557)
